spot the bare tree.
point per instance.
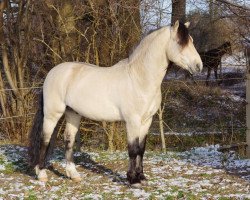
(15, 44)
(178, 10)
(35, 36)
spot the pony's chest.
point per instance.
(151, 106)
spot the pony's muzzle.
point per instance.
(199, 67)
(195, 69)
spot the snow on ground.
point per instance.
(201, 173)
(235, 62)
(194, 133)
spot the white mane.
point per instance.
(146, 43)
(146, 48)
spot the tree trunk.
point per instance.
(110, 129)
(3, 98)
(248, 102)
(14, 52)
(178, 11)
(213, 9)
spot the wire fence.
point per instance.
(192, 109)
(202, 80)
(24, 88)
(165, 81)
(17, 116)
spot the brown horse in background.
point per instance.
(212, 59)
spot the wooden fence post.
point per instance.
(161, 126)
(247, 54)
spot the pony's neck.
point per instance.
(149, 60)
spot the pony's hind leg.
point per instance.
(208, 75)
(72, 124)
(216, 76)
(49, 124)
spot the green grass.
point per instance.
(31, 195)
(9, 167)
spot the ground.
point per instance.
(201, 173)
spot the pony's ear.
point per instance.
(187, 24)
(176, 26)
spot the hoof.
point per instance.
(76, 179)
(41, 174)
(72, 173)
(136, 185)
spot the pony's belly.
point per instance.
(98, 112)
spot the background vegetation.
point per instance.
(37, 35)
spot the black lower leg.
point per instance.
(69, 151)
(216, 76)
(208, 75)
(133, 150)
(139, 160)
(42, 155)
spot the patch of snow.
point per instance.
(55, 188)
(236, 98)
(93, 196)
(2, 192)
(189, 133)
(237, 61)
(179, 181)
(36, 182)
(140, 193)
(2, 167)
(189, 172)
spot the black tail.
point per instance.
(36, 137)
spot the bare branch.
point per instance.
(234, 5)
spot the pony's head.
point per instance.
(181, 50)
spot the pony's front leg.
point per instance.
(72, 124)
(136, 149)
(133, 151)
(142, 144)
